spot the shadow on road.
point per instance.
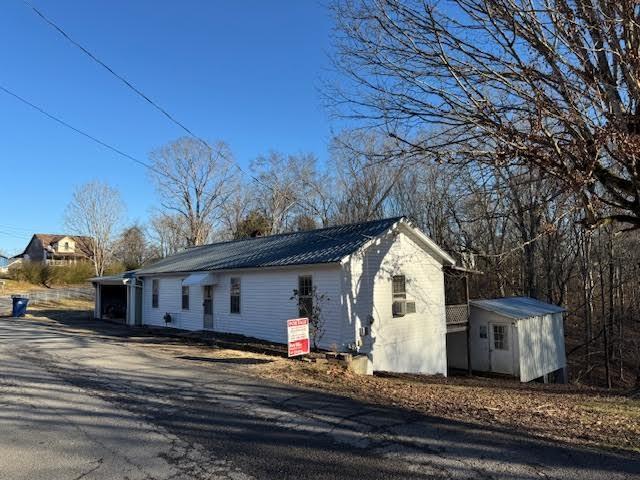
(256, 423)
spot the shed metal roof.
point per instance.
(517, 307)
(326, 245)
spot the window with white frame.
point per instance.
(399, 294)
(399, 287)
(500, 337)
(234, 306)
(185, 297)
(155, 287)
(305, 296)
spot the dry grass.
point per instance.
(12, 287)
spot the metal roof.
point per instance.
(326, 245)
(517, 307)
(119, 277)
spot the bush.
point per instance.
(38, 273)
(75, 273)
(35, 273)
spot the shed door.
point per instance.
(500, 348)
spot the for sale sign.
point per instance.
(298, 336)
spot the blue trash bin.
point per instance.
(19, 306)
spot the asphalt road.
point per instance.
(78, 404)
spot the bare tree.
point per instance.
(131, 247)
(194, 180)
(553, 84)
(279, 187)
(95, 211)
(367, 171)
(167, 232)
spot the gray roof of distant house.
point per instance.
(326, 245)
(517, 307)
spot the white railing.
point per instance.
(57, 294)
(457, 314)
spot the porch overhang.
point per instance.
(199, 279)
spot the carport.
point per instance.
(118, 298)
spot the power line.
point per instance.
(110, 70)
(129, 85)
(81, 132)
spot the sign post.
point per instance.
(298, 336)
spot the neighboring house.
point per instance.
(56, 249)
(382, 282)
(517, 336)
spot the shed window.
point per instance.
(235, 295)
(483, 331)
(185, 297)
(305, 296)
(500, 337)
(154, 292)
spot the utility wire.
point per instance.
(110, 70)
(81, 132)
(129, 85)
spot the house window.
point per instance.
(66, 245)
(399, 294)
(305, 296)
(483, 331)
(500, 340)
(154, 293)
(185, 298)
(235, 295)
(399, 287)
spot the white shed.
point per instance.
(517, 336)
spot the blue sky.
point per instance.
(246, 72)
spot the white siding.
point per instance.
(541, 345)
(537, 344)
(265, 302)
(416, 342)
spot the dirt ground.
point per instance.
(570, 413)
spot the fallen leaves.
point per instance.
(561, 412)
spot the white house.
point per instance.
(382, 285)
(518, 336)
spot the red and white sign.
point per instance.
(298, 336)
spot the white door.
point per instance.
(500, 348)
(207, 307)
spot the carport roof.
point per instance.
(120, 277)
(517, 307)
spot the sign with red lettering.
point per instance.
(298, 336)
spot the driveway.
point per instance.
(84, 400)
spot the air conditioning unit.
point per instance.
(399, 308)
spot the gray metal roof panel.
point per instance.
(517, 307)
(326, 245)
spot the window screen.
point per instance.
(305, 296)
(399, 287)
(155, 287)
(235, 295)
(185, 298)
